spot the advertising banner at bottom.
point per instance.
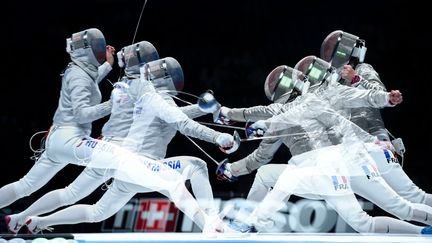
(161, 215)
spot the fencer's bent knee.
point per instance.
(93, 172)
(176, 190)
(262, 172)
(360, 221)
(98, 213)
(199, 164)
(68, 195)
(24, 187)
(121, 186)
(105, 208)
(269, 174)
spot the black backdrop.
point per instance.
(228, 46)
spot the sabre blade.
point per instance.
(202, 150)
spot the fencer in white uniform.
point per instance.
(316, 173)
(79, 104)
(346, 52)
(123, 96)
(265, 178)
(134, 172)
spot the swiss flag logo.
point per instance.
(156, 215)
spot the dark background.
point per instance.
(228, 46)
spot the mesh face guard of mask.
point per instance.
(316, 70)
(137, 54)
(165, 74)
(91, 38)
(340, 48)
(280, 86)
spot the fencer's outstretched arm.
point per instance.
(283, 122)
(254, 113)
(351, 97)
(173, 115)
(260, 156)
(341, 96)
(192, 111)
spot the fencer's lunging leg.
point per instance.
(117, 196)
(81, 187)
(381, 194)
(196, 171)
(265, 179)
(398, 180)
(187, 204)
(42, 171)
(350, 210)
(110, 203)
